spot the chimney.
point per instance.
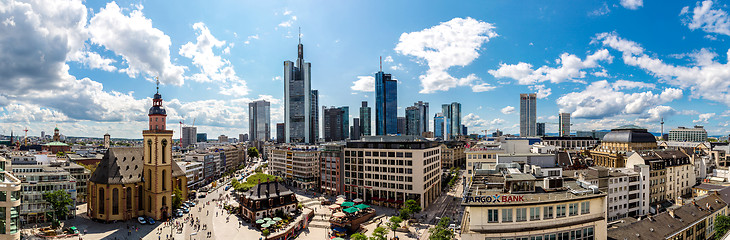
(671, 213)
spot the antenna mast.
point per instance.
(381, 63)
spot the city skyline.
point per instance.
(606, 63)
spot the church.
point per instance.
(138, 181)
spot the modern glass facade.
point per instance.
(365, 119)
(452, 120)
(314, 116)
(336, 123)
(386, 104)
(564, 124)
(298, 112)
(438, 125)
(528, 115)
(201, 137)
(259, 120)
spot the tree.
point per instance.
(358, 236)
(253, 152)
(394, 223)
(379, 234)
(265, 232)
(59, 200)
(722, 224)
(404, 214)
(177, 198)
(440, 231)
(411, 207)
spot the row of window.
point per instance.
(548, 212)
(578, 234)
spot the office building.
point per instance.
(683, 134)
(259, 120)
(528, 114)
(280, 132)
(438, 125)
(36, 180)
(402, 126)
(298, 166)
(9, 202)
(314, 116)
(482, 155)
(355, 129)
(452, 120)
(386, 104)
(505, 203)
(464, 130)
(189, 135)
(417, 119)
(365, 120)
(593, 133)
(243, 137)
(627, 190)
(201, 137)
(336, 123)
(616, 144)
(497, 133)
(298, 112)
(222, 139)
(540, 129)
(452, 154)
(570, 143)
(331, 165)
(564, 124)
(389, 170)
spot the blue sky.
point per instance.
(89, 67)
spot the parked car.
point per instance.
(186, 210)
(178, 213)
(150, 221)
(191, 203)
(227, 187)
(141, 220)
(185, 205)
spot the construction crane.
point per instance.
(181, 132)
(25, 139)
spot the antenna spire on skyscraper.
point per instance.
(300, 35)
(381, 63)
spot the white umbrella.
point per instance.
(339, 214)
(357, 200)
(341, 196)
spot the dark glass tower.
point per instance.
(386, 104)
(365, 119)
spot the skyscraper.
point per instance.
(401, 129)
(355, 129)
(386, 104)
(417, 119)
(564, 124)
(201, 137)
(280, 130)
(314, 131)
(464, 130)
(259, 120)
(528, 114)
(540, 129)
(298, 100)
(438, 125)
(365, 119)
(189, 136)
(336, 123)
(452, 120)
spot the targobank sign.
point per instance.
(494, 199)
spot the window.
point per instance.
(506, 215)
(534, 213)
(560, 211)
(164, 180)
(585, 207)
(115, 201)
(521, 214)
(492, 215)
(573, 207)
(547, 212)
(101, 201)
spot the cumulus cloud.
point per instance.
(144, 48)
(482, 87)
(542, 91)
(603, 99)
(570, 69)
(364, 84)
(497, 121)
(473, 121)
(449, 44)
(707, 18)
(705, 80)
(508, 110)
(26, 113)
(632, 4)
(601, 11)
(657, 113)
(704, 118)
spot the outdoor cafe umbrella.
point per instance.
(271, 222)
(362, 206)
(334, 206)
(276, 219)
(267, 219)
(260, 221)
(351, 210)
(357, 200)
(347, 204)
(339, 214)
(341, 196)
(265, 226)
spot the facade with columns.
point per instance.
(132, 182)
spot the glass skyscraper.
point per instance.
(438, 125)
(336, 123)
(259, 120)
(452, 120)
(365, 119)
(386, 104)
(299, 108)
(417, 119)
(528, 114)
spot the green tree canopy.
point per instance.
(177, 198)
(379, 234)
(59, 200)
(441, 231)
(253, 152)
(358, 236)
(394, 223)
(722, 224)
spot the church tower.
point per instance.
(157, 170)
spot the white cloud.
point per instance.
(482, 87)
(397, 67)
(602, 11)
(388, 59)
(449, 44)
(508, 110)
(570, 69)
(277, 78)
(364, 84)
(656, 114)
(602, 73)
(705, 80)
(704, 17)
(542, 91)
(632, 4)
(94, 60)
(704, 118)
(287, 12)
(602, 99)
(497, 121)
(145, 49)
(289, 22)
(623, 84)
(474, 122)
(26, 113)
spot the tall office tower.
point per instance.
(417, 119)
(298, 99)
(564, 124)
(528, 114)
(539, 129)
(365, 119)
(201, 137)
(189, 136)
(243, 137)
(402, 125)
(259, 120)
(314, 131)
(336, 123)
(386, 104)
(280, 132)
(452, 120)
(43, 134)
(438, 125)
(355, 129)
(464, 130)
